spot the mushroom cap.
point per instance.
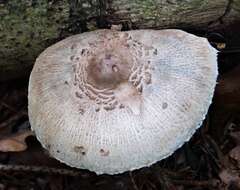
(111, 101)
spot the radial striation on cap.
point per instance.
(111, 101)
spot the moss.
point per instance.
(148, 8)
(158, 11)
(27, 27)
(184, 6)
(236, 5)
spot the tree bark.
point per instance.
(27, 27)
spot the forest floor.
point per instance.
(210, 160)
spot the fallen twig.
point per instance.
(133, 181)
(39, 169)
(205, 183)
(12, 109)
(217, 151)
(10, 120)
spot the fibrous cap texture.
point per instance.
(111, 101)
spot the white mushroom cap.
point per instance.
(111, 101)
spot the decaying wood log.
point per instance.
(27, 27)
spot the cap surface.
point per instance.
(111, 101)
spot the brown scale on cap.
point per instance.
(102, 68)
(80, 149)
(107, 71)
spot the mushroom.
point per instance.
(111, 101)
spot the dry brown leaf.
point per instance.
(229, 178)
(16, 142)
(235, 154)
(236, 136)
